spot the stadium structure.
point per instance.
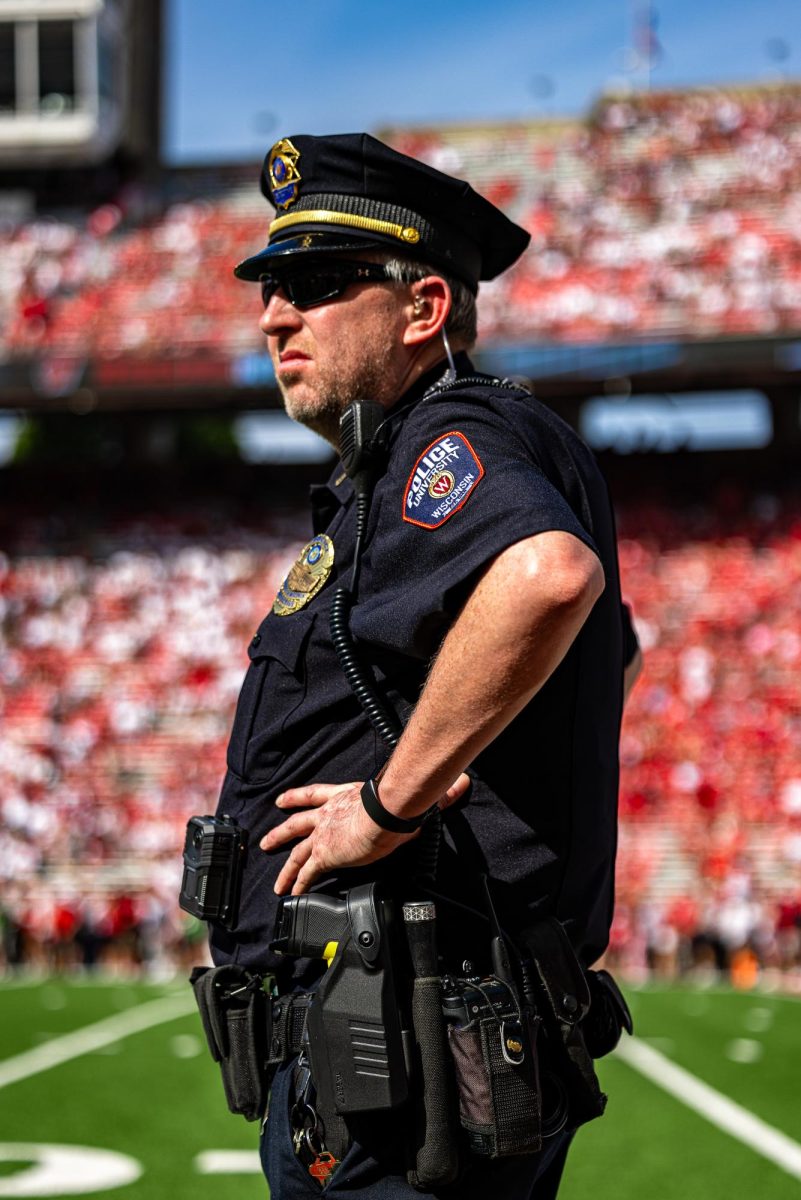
(147, 516)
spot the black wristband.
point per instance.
(387, 820)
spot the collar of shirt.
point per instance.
(327, 498)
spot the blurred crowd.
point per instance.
(660, 215)
(121, 655)
(120, 663)
(710, 845)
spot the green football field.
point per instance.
(106, 1089)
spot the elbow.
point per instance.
(586, 585)
(577, 579)
(557, 574)
(595, 582)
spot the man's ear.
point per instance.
(428, 310)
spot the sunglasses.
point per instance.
(306, 286)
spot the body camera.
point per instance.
(214, 854)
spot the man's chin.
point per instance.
(298, 403)
(321, 419)
(305, 412)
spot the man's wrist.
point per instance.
(383, 817)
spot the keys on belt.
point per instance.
(307, 1128)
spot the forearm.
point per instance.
(514, 630)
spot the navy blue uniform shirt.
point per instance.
(470, 471)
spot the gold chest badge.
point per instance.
(306, 576)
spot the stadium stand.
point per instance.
(123, 651)
(664, 213)
(661, 214)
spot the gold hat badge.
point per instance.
(282, 167)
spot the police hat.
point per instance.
(348, 191)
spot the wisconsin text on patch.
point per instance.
(441, 480)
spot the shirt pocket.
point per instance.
(273, 688)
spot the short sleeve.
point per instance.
(461, 487)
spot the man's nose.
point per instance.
(279, 315)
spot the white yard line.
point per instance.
(93, 1037)
(714, 1107)
(228, 1162)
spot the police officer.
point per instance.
(488, 612)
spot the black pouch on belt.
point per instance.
(493, 1044)
(563, 999)
(236, 1016)
(609, 1015)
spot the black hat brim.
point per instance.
(252, 269)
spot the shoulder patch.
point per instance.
(441, 480)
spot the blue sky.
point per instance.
(243, 73)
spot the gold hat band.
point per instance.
(321, 216)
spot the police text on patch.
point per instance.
(441, 480)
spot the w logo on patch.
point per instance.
(443, 485)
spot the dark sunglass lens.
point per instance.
(269, 286)
(308, 288)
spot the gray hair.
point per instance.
(462, 322)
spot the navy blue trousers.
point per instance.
(372, 1169)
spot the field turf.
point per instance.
(155, 1096)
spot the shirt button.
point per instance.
(256, 639)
